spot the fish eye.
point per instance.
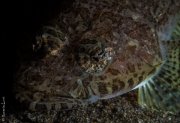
(94, 55)
(96, 58)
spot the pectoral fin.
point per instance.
(162, 91)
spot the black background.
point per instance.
(18, 21)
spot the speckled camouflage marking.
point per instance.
(57, 81)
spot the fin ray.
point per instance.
(162, 91)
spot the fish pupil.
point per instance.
(96, 58)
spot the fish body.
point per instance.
(103, 49)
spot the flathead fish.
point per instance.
(102, 49)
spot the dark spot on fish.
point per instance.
(113, 72)
(135, 75)
(40, 107)
(139, 66)
(102, 77)
(168, 80)
(131, 68)
(114, 80)
(174, 62)
(114, 88)
(169, 72)
(170, 56)
(121, 83)
(143, 73)
(102, 88)
(166, 91)
(173, 68)
(140, 79)
(58, 82)
(131, 82)
(167, 104)
(161, 75)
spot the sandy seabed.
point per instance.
(121, 109)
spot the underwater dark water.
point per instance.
(19, 21)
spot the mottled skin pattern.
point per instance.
(58, 81)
